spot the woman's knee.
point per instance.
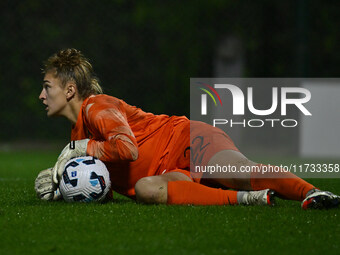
(234, 176)
(151, 190)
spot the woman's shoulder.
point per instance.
(103, 101)
(101, 106)
(95, 104)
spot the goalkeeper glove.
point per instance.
(73, 150)
(44, 186)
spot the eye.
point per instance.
(46, 86)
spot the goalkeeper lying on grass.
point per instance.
(149, 156)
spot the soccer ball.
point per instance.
(84, 179)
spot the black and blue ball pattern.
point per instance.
(85, 179)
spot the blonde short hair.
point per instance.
(71, 65)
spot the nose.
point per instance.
(42, 95)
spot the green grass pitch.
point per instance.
(31, 226)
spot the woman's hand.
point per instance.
(44, 186)
(72, 150)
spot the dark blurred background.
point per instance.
(146, 51)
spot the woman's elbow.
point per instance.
(134, 154)
(127, 150)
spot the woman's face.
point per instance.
(53, 95)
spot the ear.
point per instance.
(70, 90)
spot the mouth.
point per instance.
(46, 106)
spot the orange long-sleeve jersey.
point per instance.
(132, 143)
